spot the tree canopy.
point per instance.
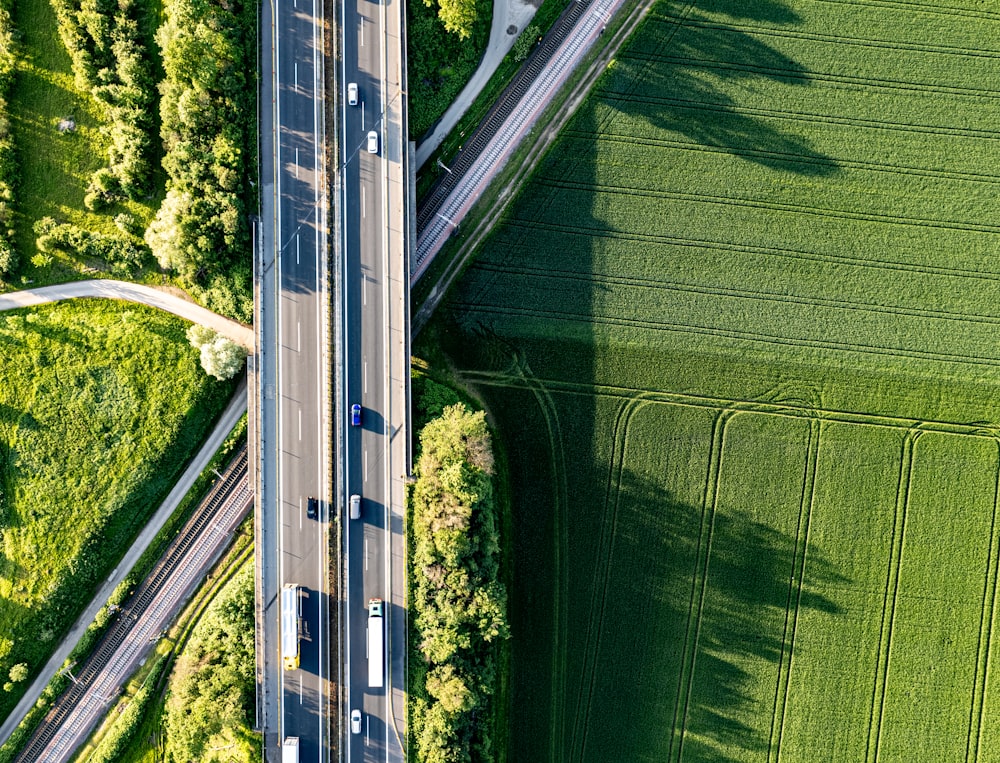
(459, 602)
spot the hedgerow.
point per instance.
(110, 61)
(459, 601)
(201, 228)
(8, 167)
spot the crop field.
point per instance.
(739, 339)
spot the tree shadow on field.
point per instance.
(692, 659)
(679, 79)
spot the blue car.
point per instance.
(356, 415)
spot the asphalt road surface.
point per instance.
(372, 270)
(301, 347)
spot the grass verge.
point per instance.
(92, 440)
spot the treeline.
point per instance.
(110, 61)
(8, 167)
(459, 601)
(213, 683)
(201, 229)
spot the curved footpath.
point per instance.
(510, 17)
(131, 292)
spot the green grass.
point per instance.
(438, 63)
(546, 15)
(738, 339)
(55, 168)
(91, 440)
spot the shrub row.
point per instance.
(212, 685)
(459, 601)
(104, 40)
(123, 253)
(201, 228)
(127, 723)
(8, 167)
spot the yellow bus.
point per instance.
(290, 626)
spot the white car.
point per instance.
(372, 142)
(355, 721)
(352, 93)
(355, 506)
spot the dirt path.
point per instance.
(131, 292)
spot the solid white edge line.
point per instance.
(276, 149)
(387, 400)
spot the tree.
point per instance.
(220, 357)
(19, 672)
(450, 689)
(458, 16)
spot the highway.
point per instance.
(294, 367)
(375, 365)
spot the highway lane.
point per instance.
(376, 369)
(302, 363)
(366, 367)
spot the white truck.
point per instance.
(376, 646)
(290, 626)
(290, 750)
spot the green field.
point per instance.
(739, 338)
(55, 168)
(101, 404)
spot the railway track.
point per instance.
(99, 679)
(472, 151)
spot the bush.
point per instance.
(125, 726)
(8, 166)
(110, 61)
(124, 254)
(200, 230)
(526, 41)
(459, 602)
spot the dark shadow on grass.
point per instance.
(726, 619)
(676, 74)
(625, 645)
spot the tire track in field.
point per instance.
(810, 76)
(841, 40)
(750, 336)
(770, 251)
(940, 10)
(699, 584)
(794, 601)
(649, 284)
(881, 673)
(776, 206)
(789, 157)
(560, 552)
(788, 409)
(984, 645)
(693, 104)
(599, 595)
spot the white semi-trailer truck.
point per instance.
(290, 626)
(290, 750)
(376, 645)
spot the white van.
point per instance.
(355, 506)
